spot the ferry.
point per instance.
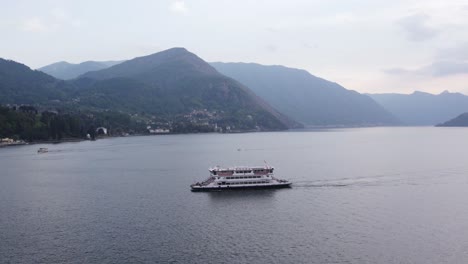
(255, 177)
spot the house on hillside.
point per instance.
(101, 131)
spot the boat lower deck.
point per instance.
(239, 187)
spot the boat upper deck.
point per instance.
(241, 170)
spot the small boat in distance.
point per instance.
(42, 150)
(255, 177)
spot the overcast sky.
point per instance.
(365, 45)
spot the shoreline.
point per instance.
(71, 140)
(5, 145)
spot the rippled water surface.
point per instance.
(373, 195)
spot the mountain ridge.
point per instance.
(309, 99)
(176, 88)
(423, 109)
(188, 83)
(459, 121)
(66, 71)
(21, 85)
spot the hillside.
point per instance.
(459, 121)
(67, 71)
(173, 88)
(306, 98)
(177, 82)
(422, 109)
(21, 85)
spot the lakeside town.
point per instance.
(23, 124)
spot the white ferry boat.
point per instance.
(256, 177)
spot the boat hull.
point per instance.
(234, 188)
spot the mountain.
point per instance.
(67, 71)
(21, 85)
(173, 88)
(459, 121)
(177, 82)
(308, 99)
(422, 109)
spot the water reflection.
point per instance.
(242, 195)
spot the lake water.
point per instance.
(370, 195)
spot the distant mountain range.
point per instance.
(459, 121)
(423, 109)
(308, 99)
(67, 71)
(176, 83)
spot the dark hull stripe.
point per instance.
(217, 189)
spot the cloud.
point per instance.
(444, 68)
(59, 14)
(397, 71)
(55, 20)
(435, 69)
(178, 7)
(448, 61)
(458, 52)
(417, 27)
(34, 25)
(271, 48)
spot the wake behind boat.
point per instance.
(256, 177)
